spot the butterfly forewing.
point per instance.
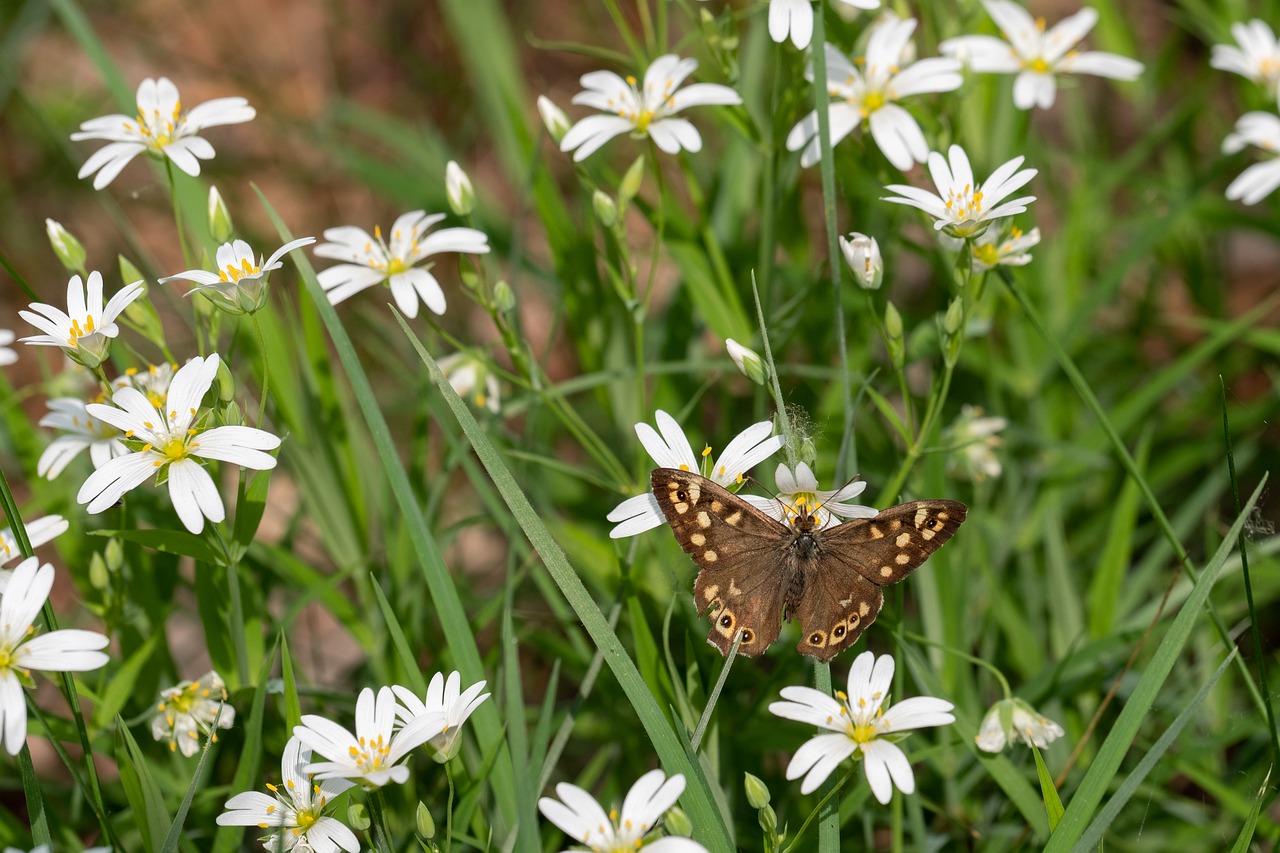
(739, 550)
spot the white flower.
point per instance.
(39, 531)
(153, 382)
(172, 437)
(371, 260)
(1035, 55)
(795, 18)
(458, 189)
(990, 249)
(581, 818)
(862, 254)
(747, 360)
(556, 122)
(975, 441)
(799, 491)
(189, 709)
(7, 354)
(643, 111)
(444, 697)
(471, 377)
(65, 245)
(295, 809)
(85, 329)
(373, 754)
(863, 727)
(671, 450)
(1010, 717)
(240, 284)
(67, 650)
(963, 207)
(872, 94)
(81, 431)
(1257, 57)
(1259, 180)
(160, 128)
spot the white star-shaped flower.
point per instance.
(1259, 180)
(647, 110)
(581, 818)
(81, 431)
(1013, 719)
(963, 207)
(1037, 55)
(39, 531)
(992, 249)
(7, 354)
(799, 491)
(862, 726)
(371, 756)
(86, 328)
(372, 260)
(444, 697)
(294, 809)
(1257, 57)
(872, 92)
(172, 439)
(66, 650)
(160, 128)
(189, 710)
(240, 284)
(671, 450)
(795, 18)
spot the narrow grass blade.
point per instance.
(1052, 802)
(141, 790)
(35, 801)
(1107, 763)
(1092, 836)
(698, 799)
(1245, 838)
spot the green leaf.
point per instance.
(1052, 802)
(170, 542)
(141, 790)
(1245, 838)
(228, 838)
(250, 507)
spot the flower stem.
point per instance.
(448, 811)
(784, 420)
(990, 667)
(705, 721)
(177, 213)
(818, 809)
(237, 609)
(266, 369)
(377, 821)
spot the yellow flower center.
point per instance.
(642, 120)
(234, 273)
(1038, 65)
(78, 331)
(863, 733)
(872, 102)
(395, 266)
(987, 254)
(175, 449)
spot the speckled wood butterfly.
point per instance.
(756, 571)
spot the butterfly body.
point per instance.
(756, 571)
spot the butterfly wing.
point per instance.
(739, 551)
(843, 579)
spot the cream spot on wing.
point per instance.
(717, 507)
(694, 493)
(942, 516)
(921, 514)
(895, 524)
(886, 572)
(733, 588)
(902, 559)
(863, 609)
(711, 592)
(876, 532)
(698, 539)
(928, 534)
(682, 508)
(704, 520)
(734, 519)
(903, 539)
(710, 556)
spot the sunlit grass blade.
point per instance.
(698, 798)
(1106, 764)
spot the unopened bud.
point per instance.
(358, 817)
(504, 298)
(631, 181)
(99, 577)
(677, 822)
(954, 319)
(220, 226)
(757, 792)
(423, 821)
(952, 331)
(893, 333)
(226, 383)
(457, 186)
(557, 123)
(66, 247)
(114, 554)
(605, 208)
(862, 254)
(748, 361)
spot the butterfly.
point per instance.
(756, 571)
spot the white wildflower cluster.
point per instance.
(1256, 57)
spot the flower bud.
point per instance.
(99, 578)
(220, 226)
(504, 298)
(757, 791)
(605, 208)
(553, 117)
(893, 333)
(862, 254)
(748, 361)
(66, 247)
(358, 817)
(677, 822)
(423, 822)
(1011, 719)
(631, 181)
(226, 383)
(952, 331)
(457, 186)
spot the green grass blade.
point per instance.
(1052, 802)
(1107, 763)
(228, 838)
(141, 790)
(1245, 839)
(35, 801)
(698, 800)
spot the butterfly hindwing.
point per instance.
(853, 560)
(739, 551)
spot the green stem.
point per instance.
(990, 667)
(705, 721)
(177, 213)
(36, 814)
(821, 805)
(378, 822)
(266, 370)
(890, 492)
(784, 420)
(829, 808)
(448, 811)
(237, 608)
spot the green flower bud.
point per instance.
(677, 822)
(358, 817)
(457, 186)
(557, 123)
(605, 208)
(423, 821)
(226, 383)
(99, 577)
(748, 361)
(220, 226)
(504, 298)
(757, 792)
(114, 555)
(68, 249)
(894, 341)
(631, 181)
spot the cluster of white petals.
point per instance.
(648, 110)
(239, 284)
(160, 128)
(1010, 720)
(1257, 57)
(962, 206)
(583, 819)
(794, 18)
(670, 449)
(86, 328)
(191, 709)
(1261, 179)
(798, 492)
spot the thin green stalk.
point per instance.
(177, 214)
(889, 494)
(827, 166)
(829, 826)
(17, 277)
(36, 815)
(784, 420)
(448, 809)
(237, 608)
(705, 721)
(1258, 654)
(378, 822)
(976, 661)
(822, 804)
(266, 371)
